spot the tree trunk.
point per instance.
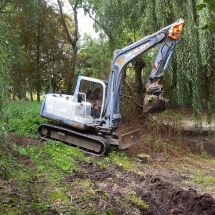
(38, 88)
(73, 41)
(52, 83)
(30, 90)
(38, 76)
(139, 64)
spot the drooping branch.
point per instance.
(64, 23)
(92, 16)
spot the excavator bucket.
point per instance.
(130, 138)
(154, 104)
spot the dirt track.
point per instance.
(152, 192)
(161, 197)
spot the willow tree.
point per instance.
(190, 77)
(94, 58)
(207, 50)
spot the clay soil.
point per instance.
(147, 188)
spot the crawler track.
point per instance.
(87, 142)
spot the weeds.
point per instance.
(24, 118)
(204, 182)
(119, 158)
(52, 157)
(136, 200)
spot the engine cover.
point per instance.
(64, 109)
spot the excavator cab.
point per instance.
(94, 92)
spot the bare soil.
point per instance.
(151, 188)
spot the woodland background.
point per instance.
(42, 50)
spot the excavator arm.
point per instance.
(168, 38)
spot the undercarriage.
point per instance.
(85, 141)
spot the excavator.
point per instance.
(89, 118)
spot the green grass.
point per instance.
(52, 157)
(41, 184)
(24, 117)
(36, 171)
(199, 178)
(50, 162)
(119, 158)
(136, 200)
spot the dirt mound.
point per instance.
(179, 201)
(160, 197)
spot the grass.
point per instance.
(136, 200)
(61, 158)
(119, 158)
(51, 161)
(38, 187)
(24, 117)
(43, 186)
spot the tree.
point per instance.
(46, 51)
(121, 21)
(94, 58)
(73, 39)
(10, 51)
(190, 74)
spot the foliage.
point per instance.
(207, 6)
(41, 50)
(186, 75)
(54, 157)
(36, 56)
(94, 58)
(9, 52)
(24, 117)
(45, 175)
(116, 19)
(37, 170)
(52, 161)
(119, 158)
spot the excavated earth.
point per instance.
(160, 190)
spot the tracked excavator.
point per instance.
(89, 118)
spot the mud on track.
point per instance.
(148, 192)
